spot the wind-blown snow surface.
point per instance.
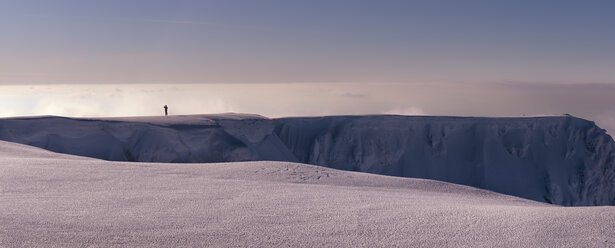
(561, 159)
(56, 200)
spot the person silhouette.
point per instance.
(166, 110)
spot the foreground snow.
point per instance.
(60, 200)
(557, 159)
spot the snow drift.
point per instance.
(57, 200)
(561, 159)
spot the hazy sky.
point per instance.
(281, 58)
(252, 41)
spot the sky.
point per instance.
(281, 58)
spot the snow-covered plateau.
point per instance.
(562, 160)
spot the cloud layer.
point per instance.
(591, 101)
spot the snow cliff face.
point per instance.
(561, 160)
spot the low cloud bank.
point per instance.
(590, 101)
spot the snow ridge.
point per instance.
(561, 159)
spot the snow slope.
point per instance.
(56, 200)
(561, 159)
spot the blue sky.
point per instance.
(306, 41)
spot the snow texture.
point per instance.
(559, 159)
(56, 200)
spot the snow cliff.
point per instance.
(561, 159)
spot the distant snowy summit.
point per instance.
(557, 159)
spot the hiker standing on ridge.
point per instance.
(166, 110)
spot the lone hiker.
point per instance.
(166, 110)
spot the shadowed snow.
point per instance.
(557, 159)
